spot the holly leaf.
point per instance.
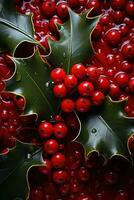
(32, 81)
(74, 45)
(107, 130)
(14, 27)
(14, 168)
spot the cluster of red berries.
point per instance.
(80, 82)
(52, 136)
(113, 38)
(11, 106)
(113, 41)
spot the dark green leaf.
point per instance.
(14, 168)
(74, 45)
(32, 80)
(107, 130)
(14, 27)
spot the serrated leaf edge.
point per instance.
(109, 158)
(15, 70)
(87, 12)
(35, 165)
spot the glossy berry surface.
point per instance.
(70, 81)
(86, 89)
(58, 160)
(82, 104)
(60, 176)
(48, 8)
(67, 105)
(60, 90)
(78, 70)
(98, 98)
(57, 75)
(60, 130)
(113, 37)
(51, 146)
(45, 129)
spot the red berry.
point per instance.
(52, 24)
(60, 130)
(98, 98)
(5, 71)
(20, 102)
(121, 195)
(113, 37)
(48, 8)
(60, 90)
(104, 20)
(110, 59)
(82, 2)
(45, 129)
(92, 73)
(83, 174)
(111, 177)
(118, 17)
(78, 70)
(36, 194)
(130, 9)
(122, 79)
(86, 88)
(127, 67)
(103, 84)
(127, 109)
(58, 160)
(123, 29)
(114, 91)
(58, 118)
(64, 189)
(75, 186)
(96, 5)
(60, 176)
(131, 85)
(57, 75)
(51, 146)
(67, 105)
(62, 10)
(46, 169)
(82, 104)
(118, 4)
(127, 50)
(70, 81)
(4, 114)
(73, 3)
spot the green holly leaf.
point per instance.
(14, 27)
(74, 45)
(14, 168)
(107, 130)
(32, 81)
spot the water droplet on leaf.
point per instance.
(94, 130)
